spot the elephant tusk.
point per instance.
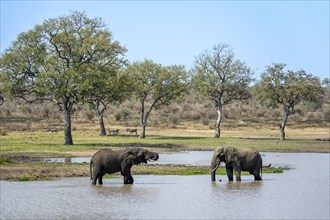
(214, 168)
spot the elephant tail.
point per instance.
(90, 169)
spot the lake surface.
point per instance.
(194, 158)
(299, 193)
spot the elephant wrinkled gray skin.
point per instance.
(109, 161)
(238, 159)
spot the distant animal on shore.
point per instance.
(54, 130)
(131, 130)
(114, 131)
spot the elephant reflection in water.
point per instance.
(238, 159)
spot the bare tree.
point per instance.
(222, 78)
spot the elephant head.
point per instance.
(137, 155)
(222, 154)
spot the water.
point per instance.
(194, 158)
(197, 158)
(299, 193)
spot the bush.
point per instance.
(174, 119)
(122, 114)
(117, 116)
(205, 121)
(90, 115)
(3, 132)
(26, 110)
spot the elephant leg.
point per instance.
(257, 170)
(238, 175)
(100, 178)
(94, 178)
(126, 172)
(229, 170)
(128, 179)
(256, 175)
(96, 175)
(237, 169)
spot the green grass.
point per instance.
(183, 170)
(45, 143)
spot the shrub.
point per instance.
(205, 121)
(26, 110)
(90, 115)
(326, 114)
(122, 114)
(117, 116)
(174, 119)
(3, 132)
(46, 112)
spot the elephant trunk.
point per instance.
(214, 167)
(153, 157)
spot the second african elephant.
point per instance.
(238, 159)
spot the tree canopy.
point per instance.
(222, 78)
(156, 85)
(287, 89)
(60, 60)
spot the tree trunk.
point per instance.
(143, 132)
(67, 123)
(142, 121)
(282, 126)
(144, 116)
(102, 127)
(218, 124)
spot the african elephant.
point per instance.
(238, 159)
(109, 161)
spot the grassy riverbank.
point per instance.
(21, 152)
(87, 143)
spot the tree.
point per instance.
(155, 86)
(55, 61)
(113, 89)
(287, 89)
(222, 78)
(2, 98)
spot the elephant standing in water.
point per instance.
(238, 159)
(109, 161)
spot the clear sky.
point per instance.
(175, 32)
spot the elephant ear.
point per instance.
(141, 156)
(230, 154)
(218, 153)
(129, 157)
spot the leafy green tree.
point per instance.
(222, 78)
(156, 85)
(58, 59)
(287, 89)
(112, 87)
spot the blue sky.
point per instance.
(175, 32)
